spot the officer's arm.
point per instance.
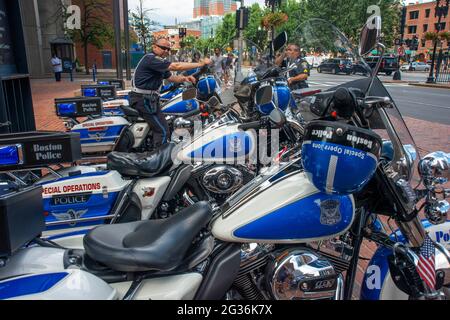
(184, 66)
(178, 79)
(299, 77)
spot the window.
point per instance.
(442, 27)
(425, 28)
(414, 15)
(412, 29)
(427, 13)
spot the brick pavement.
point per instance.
(428, 136)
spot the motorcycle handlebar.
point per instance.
(250, 125)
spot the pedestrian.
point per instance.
(292, 58)
(217, 61)
(227, 69)
(57, 67)
(147, 80)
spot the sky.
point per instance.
(168, 10)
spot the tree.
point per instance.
(254, 32)
(94, 28)
(143, 25)
(226, 31)
(349, 15)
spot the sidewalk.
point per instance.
(420, 84)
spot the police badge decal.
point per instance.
(330, 213)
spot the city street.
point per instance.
(430, 104)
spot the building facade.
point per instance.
(213, 7)
(420, 19)
(171, 33)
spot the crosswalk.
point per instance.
(330, 84)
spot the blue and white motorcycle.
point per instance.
(294, 233)
(131, 133)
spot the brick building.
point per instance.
(420, 18)
(213, 7)
(171, 33)
(105, 57)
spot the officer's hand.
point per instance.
(191, 79)
(289, 81)
(206, 61)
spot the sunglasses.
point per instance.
(163, 47)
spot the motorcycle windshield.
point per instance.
(317, 37)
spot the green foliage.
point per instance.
(254, 33)
(143, 25)
(226, 31)
(94, 29)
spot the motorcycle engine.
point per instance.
(223, 179)
(289, 274)
(299, 274)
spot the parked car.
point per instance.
(415, 66)
(335, 66)
(359, 68)
(388, 64)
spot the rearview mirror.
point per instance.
(189, 94)
(277, 117)
(280, 41)
(370, 35)
(263, 95)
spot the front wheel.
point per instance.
(388, 73)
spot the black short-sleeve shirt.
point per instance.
(301, 67)
(151, 72)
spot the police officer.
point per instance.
(147, 81)
(292, 58)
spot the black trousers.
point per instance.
(58, 76)
(149, 108)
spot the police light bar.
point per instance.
(89, 92)
(78, 107)
(11, 155)
(66, 109)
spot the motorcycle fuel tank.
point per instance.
(222, 144)
(178, 106)
(100, 135)
(288, 210)
(281, 98)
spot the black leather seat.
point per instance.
(130, 112)
(147, 164)
(150, 245)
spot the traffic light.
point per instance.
(182, 32)
(415, 43)
(242, 16)
(403, 22)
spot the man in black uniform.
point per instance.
(292, 58)
(147, 80)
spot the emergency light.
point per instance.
(10, 155)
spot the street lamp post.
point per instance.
(439, 11)
(116, 13)
(127, 39)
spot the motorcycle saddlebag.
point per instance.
(21, 219)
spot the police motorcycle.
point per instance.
(101, 134)
(128, 187)
(294, 233)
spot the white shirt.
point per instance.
(217, 61)
(57, 64)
